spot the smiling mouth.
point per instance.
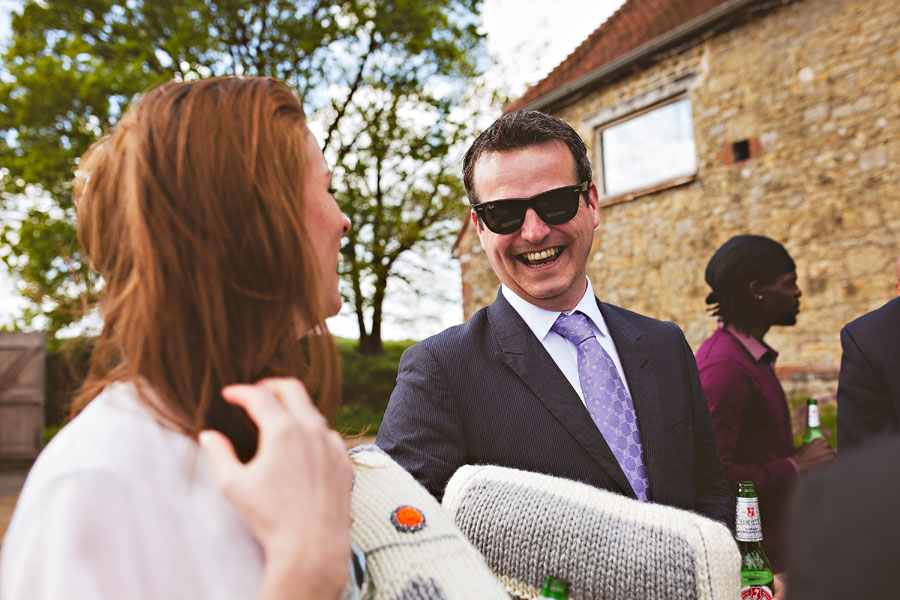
(540, 258)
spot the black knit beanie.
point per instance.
(742, 259)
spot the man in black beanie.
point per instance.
(754, 286)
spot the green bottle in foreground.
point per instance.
(813, 426)
(556, 588)
(756, 570)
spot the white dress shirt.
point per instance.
(562, 351)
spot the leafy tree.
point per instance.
(400, 188)
(380, 77)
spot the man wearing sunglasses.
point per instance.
(548, 378)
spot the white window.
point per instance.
(647, 150)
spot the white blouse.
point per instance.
(118, 506)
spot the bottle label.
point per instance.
(748, 527)
(812, 416)
(756, 592)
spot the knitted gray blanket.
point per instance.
(528, 526)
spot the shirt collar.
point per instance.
(540, 320)
(757, 349)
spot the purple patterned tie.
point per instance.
(607, 400)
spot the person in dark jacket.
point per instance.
(548, 378)
(868, 393)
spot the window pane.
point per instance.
(649, 149)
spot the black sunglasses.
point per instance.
(554, 207)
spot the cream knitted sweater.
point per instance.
(413, 549)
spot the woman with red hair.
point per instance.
(208, 213)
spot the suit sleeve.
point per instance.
(729, 394)
(421, 429)
(711, 490)
(864, 409)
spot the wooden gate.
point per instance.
(21, 398)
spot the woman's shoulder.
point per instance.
(141, 496)
(116, 435)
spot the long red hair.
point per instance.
(191, 210)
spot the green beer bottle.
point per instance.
(556, 588)
(813, 429)
(756, 570)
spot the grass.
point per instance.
(367, 385)
(356, 419)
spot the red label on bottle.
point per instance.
(756, 592)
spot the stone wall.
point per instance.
(814, 85)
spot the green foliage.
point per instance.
(367, 382)
(67, 366)
(367, 385)
(50, 431)
(399, 191)
(827, 417)
(380, 77)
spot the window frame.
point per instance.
(630, 109)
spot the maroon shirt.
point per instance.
(752, 423)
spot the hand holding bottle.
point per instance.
(780, 584)
(813, 454)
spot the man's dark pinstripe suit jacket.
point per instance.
(487, 392)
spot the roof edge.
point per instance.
(684, 30)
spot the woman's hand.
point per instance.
(294, 494)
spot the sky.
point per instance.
(527, 38)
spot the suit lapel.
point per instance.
(636, 362)
(528, 358)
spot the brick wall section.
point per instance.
(815, 86)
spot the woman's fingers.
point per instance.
(263, 407)
(285, 414)
(269, 397)
(328, 446)
(222, 459)
(295, 398)
(295, 493)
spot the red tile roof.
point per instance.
(635, 24)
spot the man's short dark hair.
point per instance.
(521, 129)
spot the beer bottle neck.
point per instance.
(555, 588)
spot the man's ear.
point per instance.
(594, 204)
(475, 221)
(753, 288)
